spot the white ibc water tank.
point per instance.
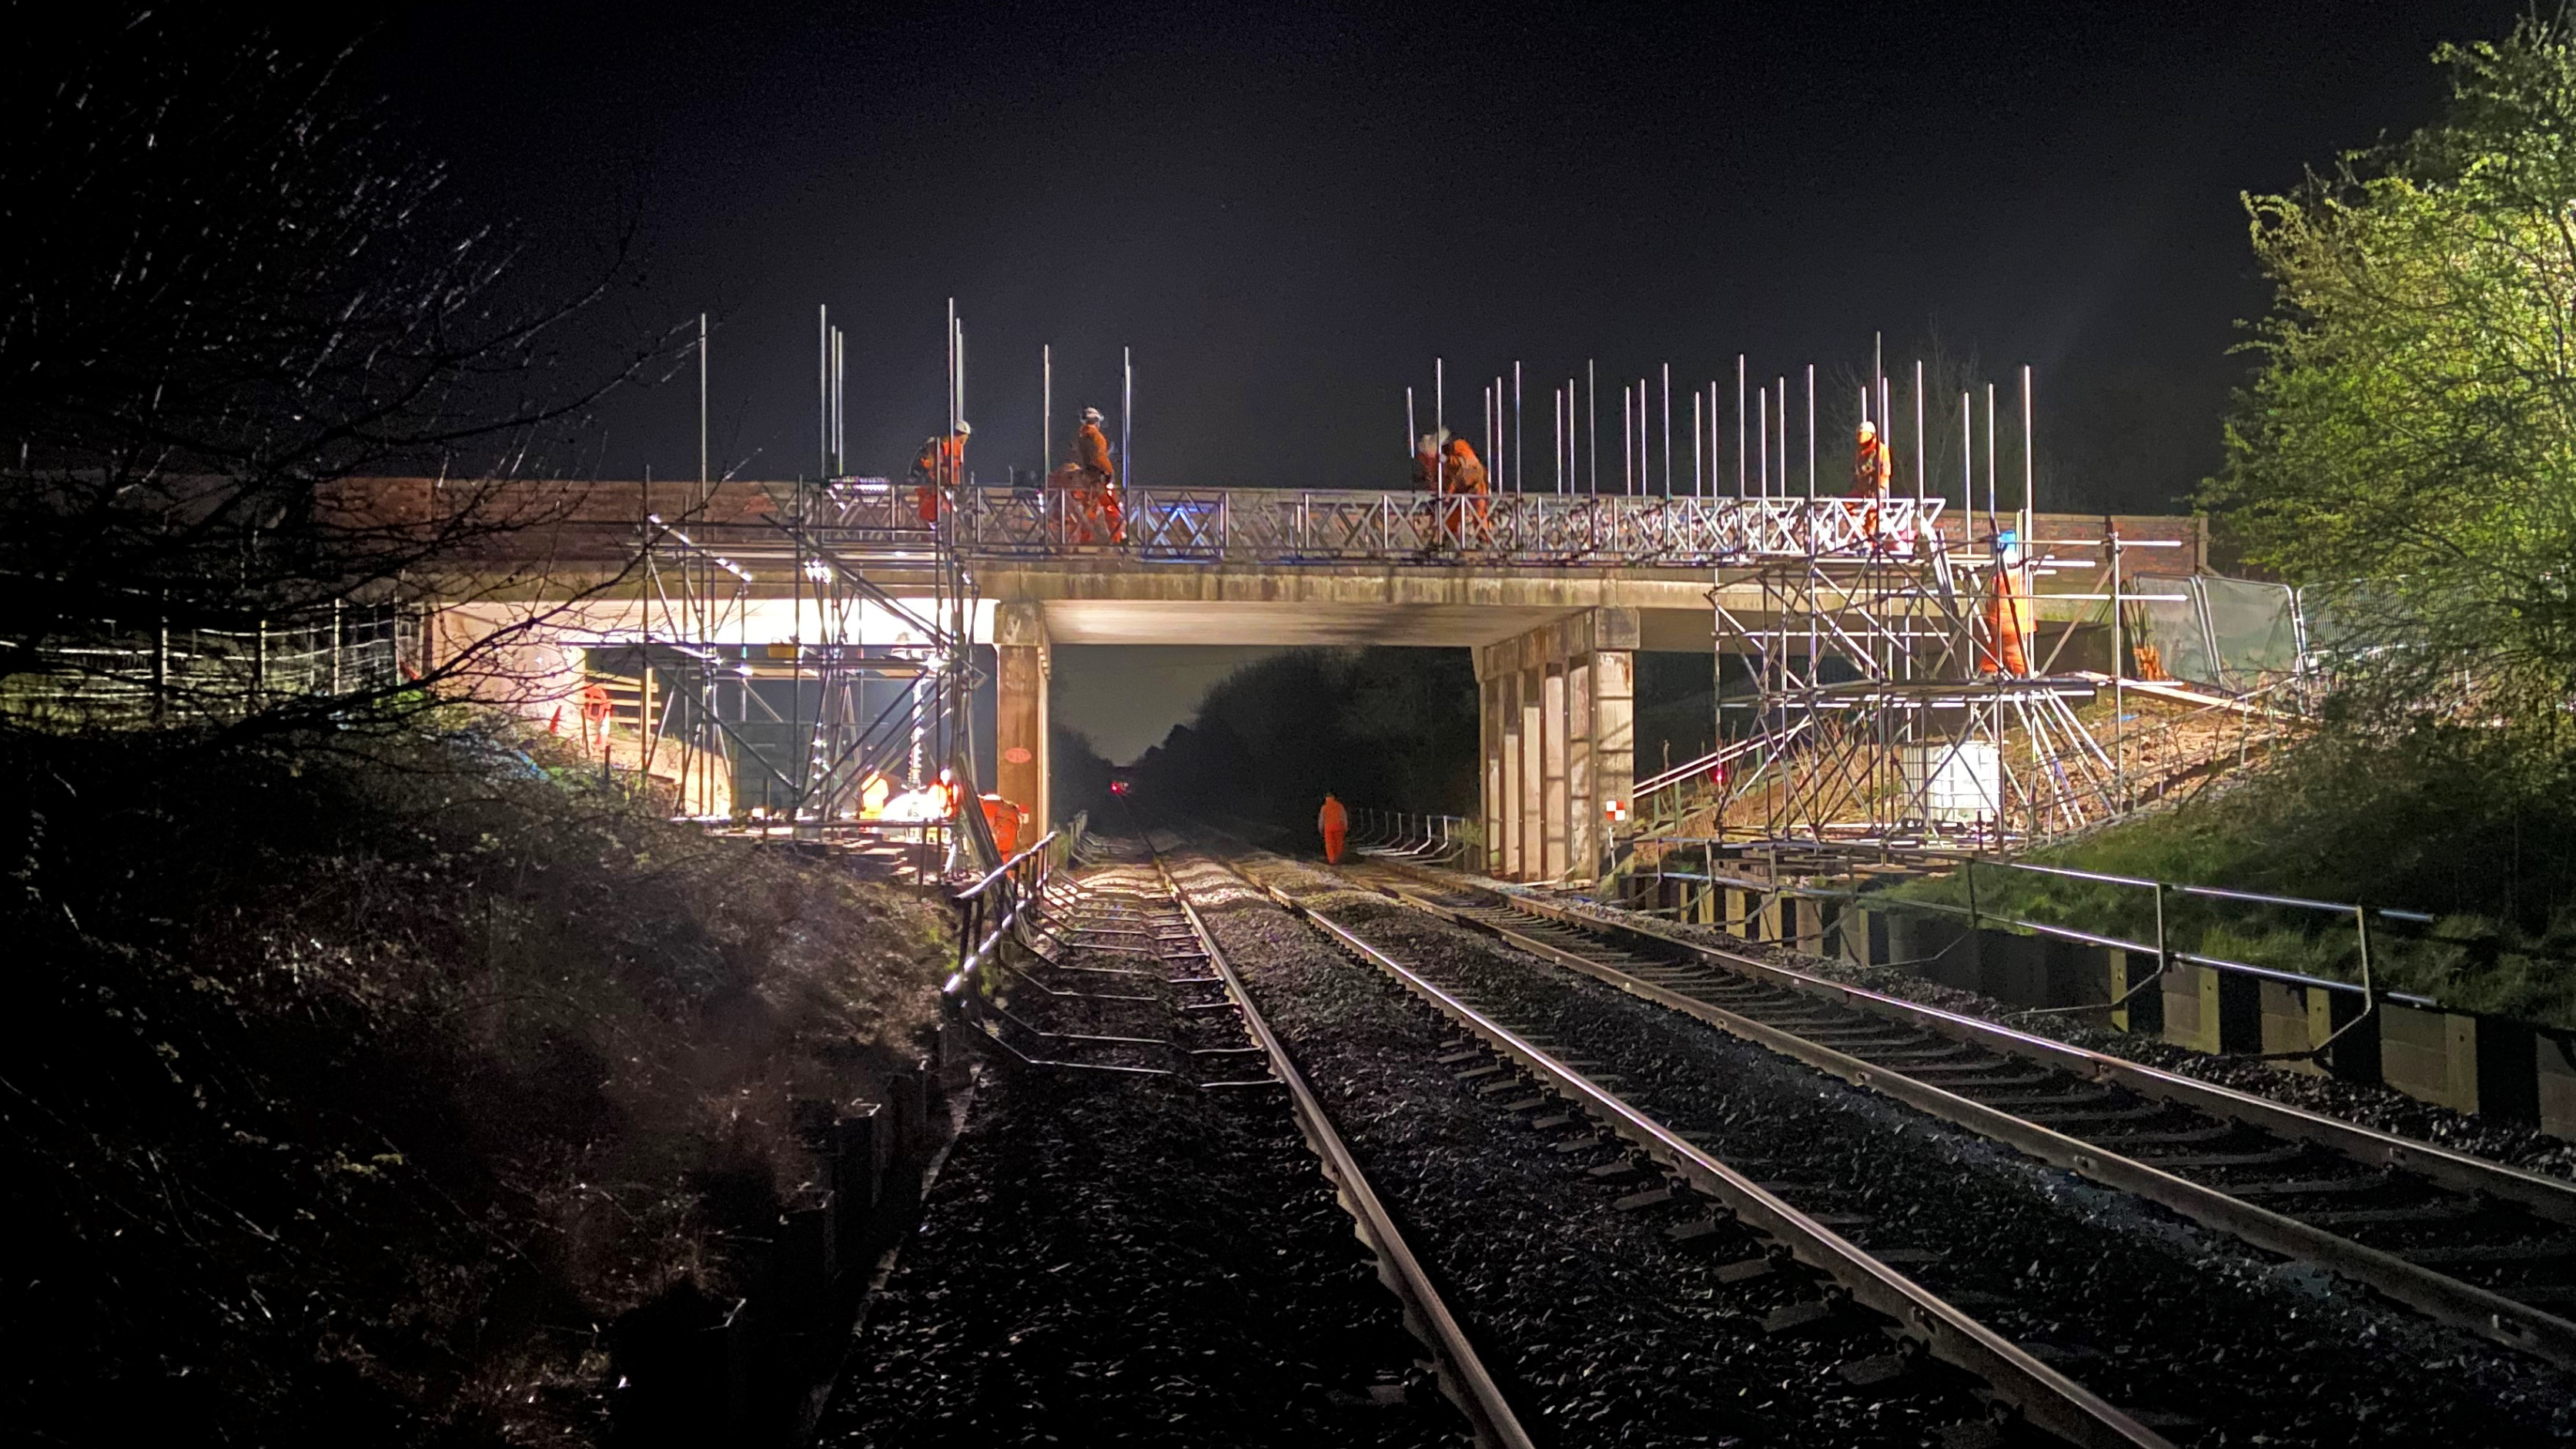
(1959, 784)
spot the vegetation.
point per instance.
(2407, 453)
(2408, 450)
(1391, 728)
(233, 289)
(365, 1059)
(351, 1092)
(2425, 823)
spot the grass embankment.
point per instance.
(2443, 821)
(351, 1090)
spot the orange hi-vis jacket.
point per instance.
(2009, 620)
(1872, 468)
(941, 465)
(1460, 472)
(1332, 819)
(1091, 454)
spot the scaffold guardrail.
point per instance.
(1290, 526)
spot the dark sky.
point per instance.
(1289, 211)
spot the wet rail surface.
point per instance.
(2206, 1341)
(2476, 1244)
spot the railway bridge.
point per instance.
(1555, 593)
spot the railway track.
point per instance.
(1215, 1040)
(2477, 1245)
(1880, 1331)
(2058, 1108)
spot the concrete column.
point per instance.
(1509, 802)
(1490, 798)
(1552, 852)
(1023, 663)
(1558, 711)
(1582, 801)
(1533, 791)
(1614, 727)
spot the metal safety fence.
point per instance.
(129, 674)
(1269, 525)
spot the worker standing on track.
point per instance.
(2006, 646)
(1335, 823)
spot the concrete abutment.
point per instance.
(1558, 711)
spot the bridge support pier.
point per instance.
(1558, 712)
(1023, 660)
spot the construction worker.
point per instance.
(1462, 475)
(940, 467)
(595, 710)
(1426, 461)
(1093, 513)
(1335, 822)
(2005, 649)
(1005, 820)
(1872, 470)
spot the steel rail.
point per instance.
(1461, 1370)
(2438, 1295)
(2548, 1196)
(2044, 1396)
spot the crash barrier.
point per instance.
(750, 1367)
(2515, 1071)
(1429, 839)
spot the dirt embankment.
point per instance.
(349, 1092)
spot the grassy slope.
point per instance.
(2443, 822)
(347, 1094)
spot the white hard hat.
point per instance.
(964, 427)
(1091, 415)
(1868, 429)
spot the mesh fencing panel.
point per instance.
(2165, 634)
(2253, 628)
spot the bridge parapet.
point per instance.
(1333, 526)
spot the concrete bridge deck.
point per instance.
(1555, 593)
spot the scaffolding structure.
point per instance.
(1888, 718)
(803, 666)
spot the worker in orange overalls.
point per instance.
(2005, 647)
(940, 467)
(1462, 476)
(1093, 514)
(594, 713)
(1335, 822)
(1872, 471)
(1005, 820)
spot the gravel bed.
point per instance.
(2146, 1309)
(1602, 1330)
(1122, 1260)
(2382, 1108)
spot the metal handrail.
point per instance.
(1023, 883)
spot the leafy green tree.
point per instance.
(2409, 445)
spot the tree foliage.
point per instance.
(2409, 446)
(232, 290)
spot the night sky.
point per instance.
(1288, 211)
